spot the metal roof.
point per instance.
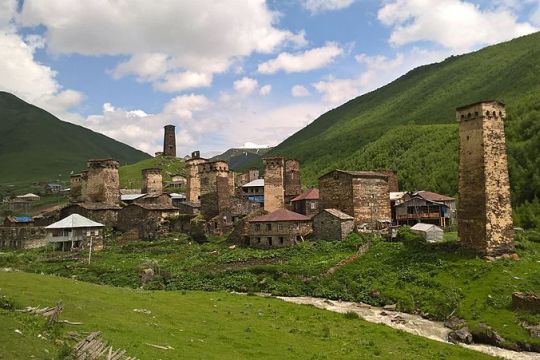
(255, 183)
(177, 196)
(431, 196)
(396, 195)
(281, 215)
(311, 194)
(74, 221)
(360, 174)
(425, 227)
(29, 195)
(339, 214)
(131, 197)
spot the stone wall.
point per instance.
(485, 213)
(75, 188)
(169, 141)
(306, 207)
(329, 227)
(274, 187)
(292, 184)
(215, 188)
(193, 185)
(371, 200)
(336, 192)
(107, 216)
(152, 181)
(23, 237)
(278, 233)
(103, 184)
(393, 185)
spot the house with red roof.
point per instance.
(307, 203)
(280, 228)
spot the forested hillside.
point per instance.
(409, 125)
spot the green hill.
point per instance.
(130, 175)
(387, 127)
(242, 159)
(194, 325)
(37, 146)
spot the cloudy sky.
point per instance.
(229, 72)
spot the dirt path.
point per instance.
(413, 324)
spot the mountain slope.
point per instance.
(242, 159)
(37, 146)
(368, 131)
(131, 175)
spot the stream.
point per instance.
(413, 324)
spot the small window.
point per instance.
(270, 241)
(280, 227)
(313, 206)
(468, 137)
(476, 113)
(469, 115)
(281, 240)
(269, 227)
(494, 114)
(258, 227)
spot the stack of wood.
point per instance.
(93, 347)
(52, 313)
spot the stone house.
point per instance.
(26, 237)
(100, 212)
(75, 232)
(146, 221)
(332, 224)
(362, 194)
(188, 207)
(278, 229)
(253, 191)
(306, 203)
(248, 176)
(177, 181)
(18, 221)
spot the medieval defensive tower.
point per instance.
(292, 184)
(169, 141)
(193, 186)
(75, 188)
(152, 181)
(215, 188)
(103, 184)
(274, 183)
(484, 212)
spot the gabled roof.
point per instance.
(131, 197)
(397, 195)
(255, 183)
(339, 214)
(281, 215)
(160, 207)
(311, 194)
(431, 196)
(175, 196)
(364, 174)
(425, 227)
(29, 195)
(74, 221)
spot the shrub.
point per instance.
(411, 240)
(351, 315)
(533, 236)
(7, 303)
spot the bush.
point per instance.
(7, 303)
(533, 236)
(353, 241)
(351, 315)
(411, 240)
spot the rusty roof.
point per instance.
(311, 194)
(154, 207)
(431, 196)
(339, 214)
(359, 173)
(281, 215)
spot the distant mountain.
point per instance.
(241, 159)
(409, 125)
(37, 146)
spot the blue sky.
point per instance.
(229, 72)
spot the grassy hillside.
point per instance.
(198, 325)
(438, 280)
(37, 146)
(130, 175)
(242, 159)
(375, 130)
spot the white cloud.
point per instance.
(308, 60)
(316, 6)
(265, 90)
(202, 36)
(250, 145)
(245, 86)
(299, 91)
(184, 80)
(454, 24)
(378, 71)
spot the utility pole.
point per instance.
(90, 250)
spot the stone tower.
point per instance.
(274, 183)
(215, 188)
(103, 184)
(75, 188)
(152, 181)
(193, 185)
(169, 141)
(292, 184)
(484, 212)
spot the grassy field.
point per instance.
(130, 175)
(199, 325)
(436, 280)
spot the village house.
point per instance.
(248, 176)
(177, 198)
(20, 205)
(130, 198)
(253, 191)
(306, 203)
(177, 181)
(29, 197)
(52, 188)
(18, 221)
(188, 207)
(332, 224)
(75, 232)
(426, 207)
(146, 220)
(280, 228)
(362, 194)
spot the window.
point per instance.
(269, 227)
(281, 240)
(280, 227)
(270, 240)
(258, 240)
(312, 206)
(258, 227)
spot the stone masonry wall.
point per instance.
(215, 192)
(193, 186)
(278, 233)
(335, 192)
(371, 200)
(274, 187)
(169, 141)
(22, 237)
(292, 184)
(75, 188)
(328, 227)
(152, 181)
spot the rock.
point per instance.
(375, 294)
(513, 256)
(462, 335)
(526, 301)
(455, 323)
(398, 320)
(534, 330)
(232, 247)
(486, 335)
(147, 275)
(383, 313)
(391, 307)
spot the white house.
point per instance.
(75, 232)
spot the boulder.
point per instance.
(454, 323)
(526, 301)
(486, 335)
(462, 335)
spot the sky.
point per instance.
(229, 73)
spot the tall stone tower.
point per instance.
(103, 184)
(484, 212)
(274, 183)
(293, 187)
(152, 181)
(169, 141)
(215, 188)
(193, 186)
(75, 188)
